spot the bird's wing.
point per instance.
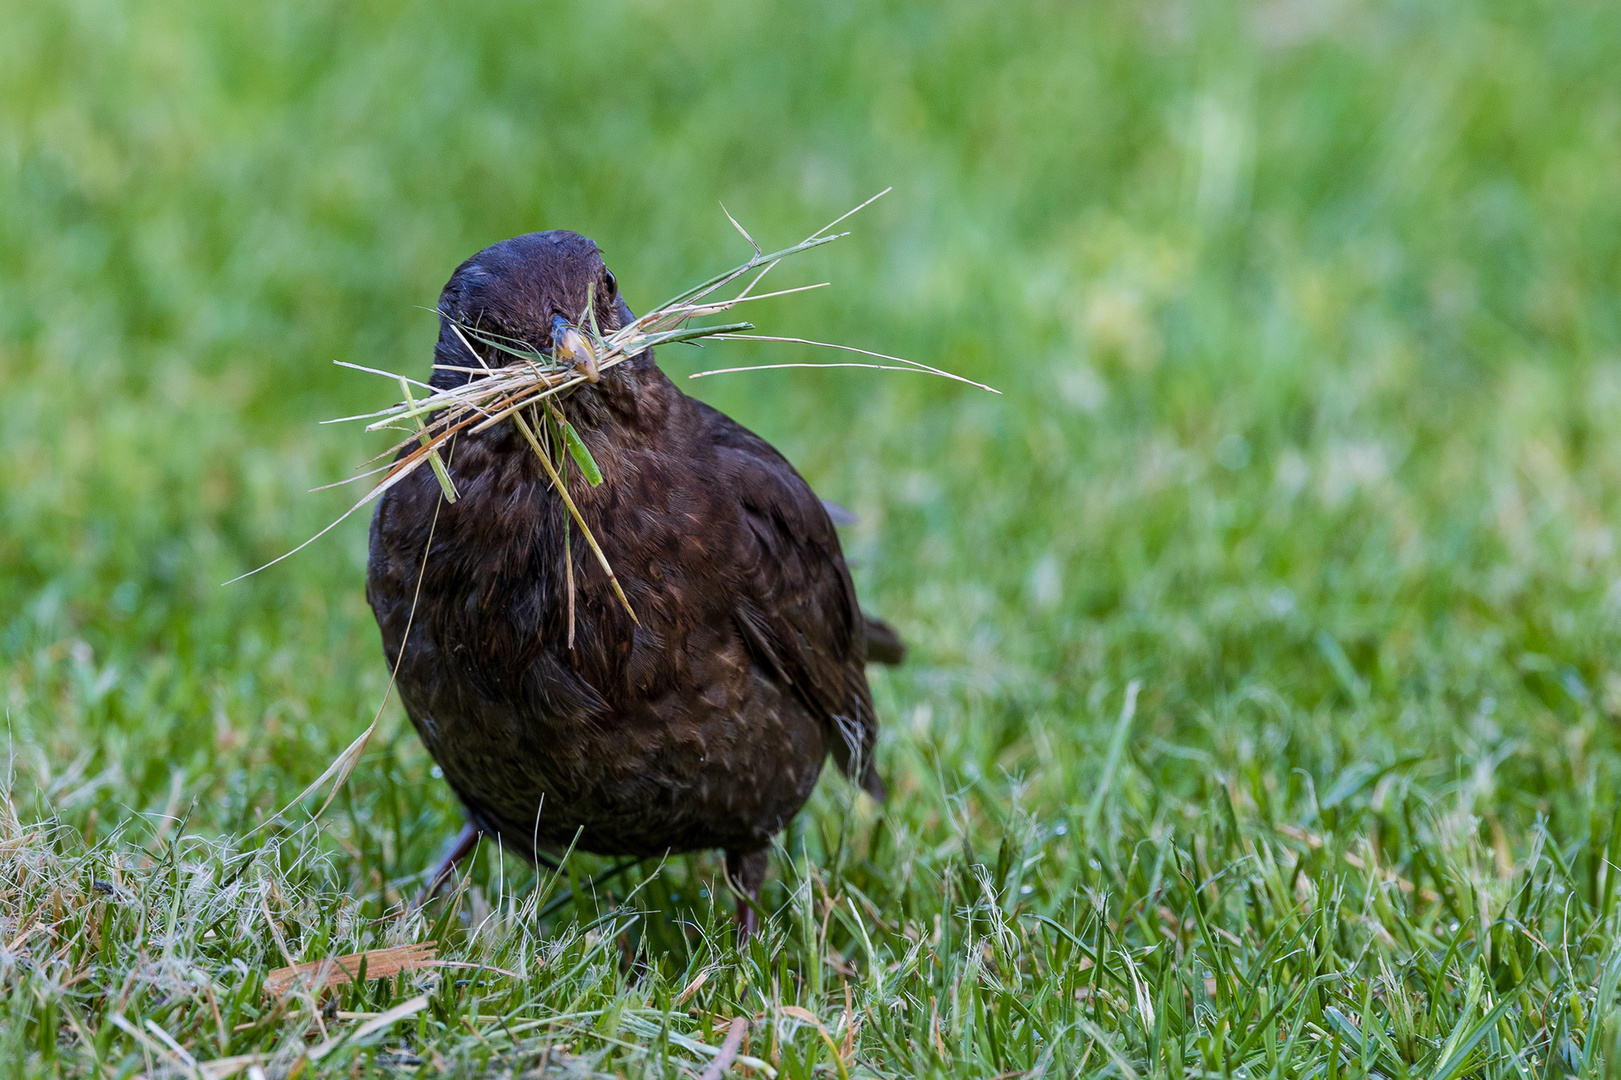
(796, 606)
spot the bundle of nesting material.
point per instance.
(526, 388)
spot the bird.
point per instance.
(700, 717)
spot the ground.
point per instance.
(1262, 711)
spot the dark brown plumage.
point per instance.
(703, 727)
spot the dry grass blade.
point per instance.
(340, 970)
(910, 365)
(780, 367)
(728, 1050)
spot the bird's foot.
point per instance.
(748, 920)
(459, 849)
(745, 872)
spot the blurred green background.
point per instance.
(1306, 315)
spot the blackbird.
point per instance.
(701, 723)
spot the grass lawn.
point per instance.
(1262, 715)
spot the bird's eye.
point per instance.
(609, 283)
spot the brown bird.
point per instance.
(704, 722)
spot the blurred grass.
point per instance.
(1307, 317)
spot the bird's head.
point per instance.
(532, 288)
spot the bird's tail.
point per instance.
(884, 646)
(873, 785)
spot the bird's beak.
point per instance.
(569, 346)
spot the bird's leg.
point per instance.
(745, 872)
(459, 849)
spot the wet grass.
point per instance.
(1262, 713)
